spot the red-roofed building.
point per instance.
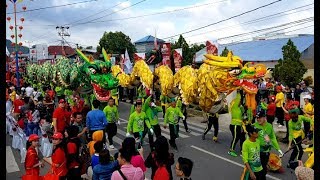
(56, 51)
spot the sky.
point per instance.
(88, 21)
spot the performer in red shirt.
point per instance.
(73, 146)
(17, 104)
(60, 117)
(271, 109)
(32, 163)
(58, 160)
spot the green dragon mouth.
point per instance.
(100, 93)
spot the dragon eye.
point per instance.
(93, 71)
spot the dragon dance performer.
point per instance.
(172, 117)
(183, 108)
(112, 113)
(296, 133)
(213, 119)
(236, 125)
(141, 93)
(151, 110)
(251, 156)
(115, 96)
(267, 139)
(136, 123)
(165, 100)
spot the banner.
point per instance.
(139, 56)
(211, 48)
(122, 61)
(177, 59)
(166, 50)
(127, 63)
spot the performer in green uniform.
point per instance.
(172, 117)
(136, 123)
(151, 110)
(236, 125)
(112, 114)
(251, 156)
(296, 134)
(267, 138)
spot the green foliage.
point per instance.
(290, 69)
(224, 52)
(116, 43)
(188, 52)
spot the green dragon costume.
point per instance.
(86, 77)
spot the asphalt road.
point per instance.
(211, 160)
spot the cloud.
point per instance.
(166, 24)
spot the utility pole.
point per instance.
(63, 31)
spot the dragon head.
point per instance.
(248, 74)
(99, 74)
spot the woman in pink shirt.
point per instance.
(129, 144)
(127, 170)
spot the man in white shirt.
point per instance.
(29, 91)
(36, 94)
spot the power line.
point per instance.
(95, 13)
(269, 28)
(158, 13)
(309, 19)
(49, 7)
(111, 13)
(246, 12)
(243, 40)
(258, 19)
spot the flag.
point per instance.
(7, 51)
(155, 41)
(127, 63)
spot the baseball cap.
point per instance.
(261, 113)
(57, 136)
(139, 101)
(272, 97)
(307, 96)
(62, 101)
(296, 110)
(33, 137)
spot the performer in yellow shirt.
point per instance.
(279, 102)
(308, 111)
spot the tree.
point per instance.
(290, 69)
(225, 52)
(116, 43)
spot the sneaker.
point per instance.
(111, 147)
(203, 137)
(188, 131)
(233, 153)
(215, 139)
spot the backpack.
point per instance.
(84, 159)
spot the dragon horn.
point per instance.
(105, 55)
(84, 57)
